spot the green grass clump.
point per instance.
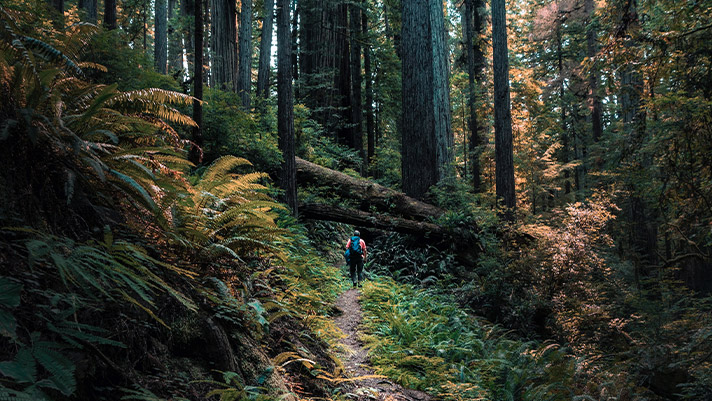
(423, 340)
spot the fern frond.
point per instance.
(51, 54)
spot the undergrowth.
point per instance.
(423, 340)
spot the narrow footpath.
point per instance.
(356, 361)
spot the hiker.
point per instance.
(355, 256)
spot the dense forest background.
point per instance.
(179, 177)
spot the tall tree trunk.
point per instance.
(224, 44)
(295, 47)
(265, 50)
(175, 44)
(426, 132)
(593, 78)
(187, 8)
(110, 14)
(565, 139)
(504, 159)
(58, 6)
(244, 80)
(160, 48)
(285, 106)
(473, 25)
(370, 128)
(196, 155)
(90, 8)
(356, 81)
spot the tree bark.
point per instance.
(175, 45)
(356, 81)
(504, 159)
(110, 14)
(370, 127)
(368, 192)
(90, 8)
(244, 80)
(285, 106)
(372, 220)
(196, 154)
(426, 132)
(160, 48)
(224, 43)
(265, 50)
(187, 8)
(473, 25)
(593, 78)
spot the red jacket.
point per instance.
(363, 246)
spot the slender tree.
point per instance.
(368, 106)
(356, 79)
(504, 159)
(160, 48)
(426, 132)
(593, 78)
(224, 43)
(110, 14)
(175, 45)
(285, 106)
(473, 27)
(196, 156)
(245, 54)
(265, 50)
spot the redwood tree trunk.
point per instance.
(110, 14)
(90, 8)
(356, 80)
(370, 126)
(196, 155)
(593, 78)
(224, 44)
(504, 159)
(265, 50)
(245, 54)
(473, 25)
(160, 48)
(285, 104)
(426, 133)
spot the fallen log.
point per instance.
(371, 220)
(369, 193)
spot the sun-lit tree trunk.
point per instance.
(426, 132)
(244, 81)
(265, 50)
(224, 43)
(370, 128)
(160, 48)
(504, 158)
(110, 14)
(198, 81)
(285, 107)
(356, 79)
(187, 9)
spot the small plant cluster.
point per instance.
(423, 340)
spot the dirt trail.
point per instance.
(356, 361)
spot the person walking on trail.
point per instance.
(355, 257)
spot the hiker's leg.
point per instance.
(352, 270)
(360, 270)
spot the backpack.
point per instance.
(355, 246)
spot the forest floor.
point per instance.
(356, 363)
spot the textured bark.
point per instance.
(473, 27)
(90, 8)
(244, 81)
(372, 220)
(175, 44)
(369, 193)
(265, 50)
(196, 156)
(110, 14)
(356, 80)
(593, 78)
(187, 9)
(426, 133)
(160, 48)
(224, 44)
(504, 159)
(368, 107)
(285, 106)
